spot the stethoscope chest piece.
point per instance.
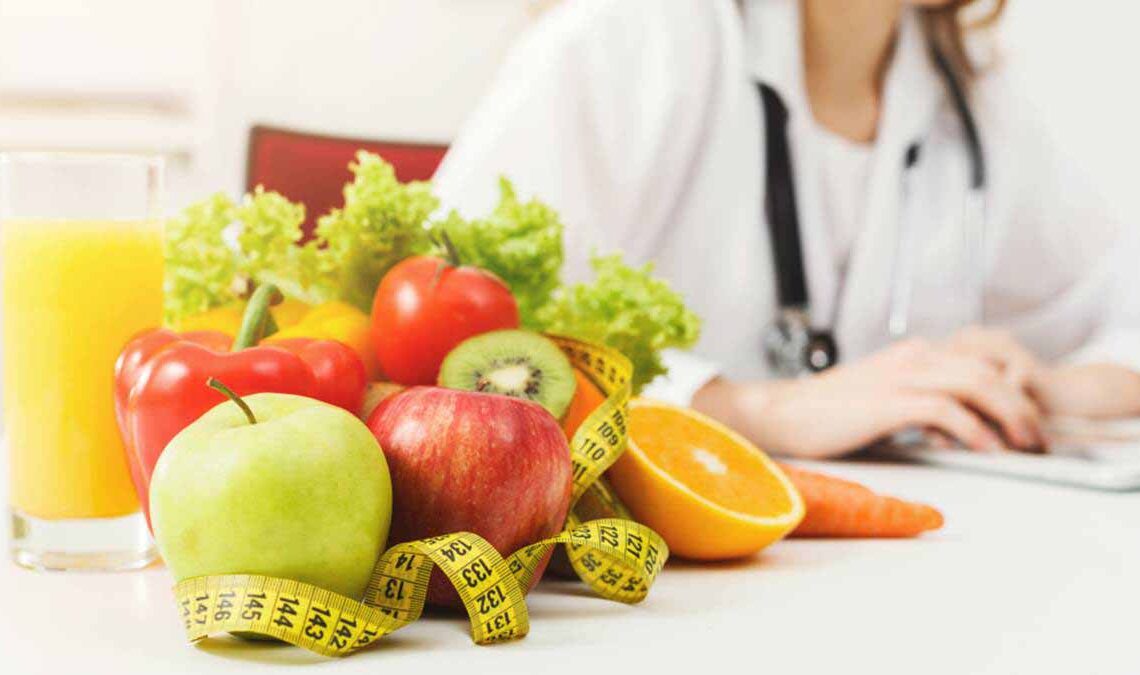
(793, 348)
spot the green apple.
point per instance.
(303, 493)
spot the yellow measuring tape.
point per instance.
(615, 556)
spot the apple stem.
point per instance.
(256, 320)
(215, 383)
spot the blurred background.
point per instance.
(189, 79)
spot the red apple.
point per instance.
(493, 465)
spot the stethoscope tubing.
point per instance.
(787, 252)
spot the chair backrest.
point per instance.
(313, 168)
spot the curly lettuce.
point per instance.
(270, 230)
(382, 222)
(520, 242)
(625, 308)
(200, 266)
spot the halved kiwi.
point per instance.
(516, 363)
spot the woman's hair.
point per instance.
(945, 27)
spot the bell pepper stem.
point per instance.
(256, 319)
(215, 383)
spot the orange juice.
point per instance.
(74, 293)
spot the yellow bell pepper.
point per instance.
(334, 320)
(328, 321)
(290, 312)
(227, 318)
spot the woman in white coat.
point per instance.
(959, 267)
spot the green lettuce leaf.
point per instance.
(382, 222)
(200, 266)
(267, 243)
(520, 242)
(270, 230)
(625, 308)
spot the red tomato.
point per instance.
(425, 306)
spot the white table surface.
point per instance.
(1024, 578)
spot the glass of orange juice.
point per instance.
(81, 272)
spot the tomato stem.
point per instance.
(449, 248)
(438, 273)
(256, 320)
(215, 383)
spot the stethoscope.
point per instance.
(793, 347)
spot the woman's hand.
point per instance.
(914, 383)
(1017, 365)
(1100, 390)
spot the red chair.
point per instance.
(313, 168)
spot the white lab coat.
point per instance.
(639, 120)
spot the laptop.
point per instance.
(1082, 453)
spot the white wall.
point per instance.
(188, 79)
(371, 69)
(1078, 63)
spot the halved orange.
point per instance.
(709, 492)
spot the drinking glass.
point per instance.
(81, 272)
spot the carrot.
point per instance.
(841, 508)
(587, 397)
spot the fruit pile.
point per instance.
(483, 452)
(328, 432)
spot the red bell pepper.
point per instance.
(160, 380)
